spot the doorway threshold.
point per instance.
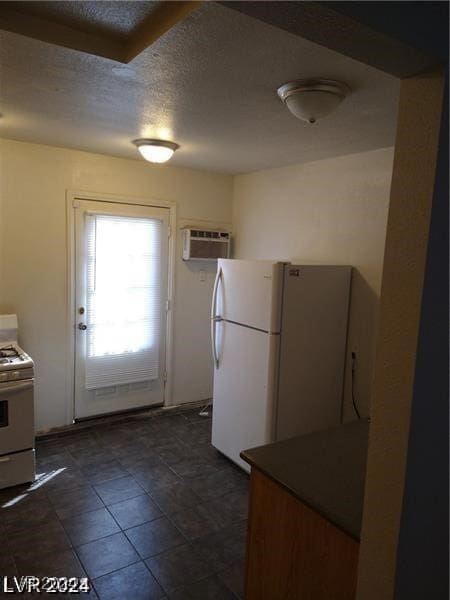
(123, 417)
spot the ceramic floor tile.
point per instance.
(114, 439)
(212, 456)
(134, 582)
(59, 564)
(229, 508)
(136, 461)
(154, 537)
(79, 441)
(92, 455)
(7, 495)
(128, 447)
(63, 478)
(86, 435)
(107, 555)
(52, 462)
(168, 457)
(222, 549)
(105, 471)
(155, 477)
(174, 453)
(178, 567)
(188, 434)
(157, 440)
(195, 522)
(134, 511)
(194, 466)
(4, 546)
(118, 489)
(90, 526)
(233, 577)
(139, 427)
(7, 566)
(218, 484)
(45, 539)
(75, 501)
(50, 447)
(169, 422)
(28, 510)
(210, 588)
(175, 497)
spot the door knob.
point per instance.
(82, 326)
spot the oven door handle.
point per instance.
(16, 386)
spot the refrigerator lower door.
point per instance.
(244, 390)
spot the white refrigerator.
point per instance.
(278, 336)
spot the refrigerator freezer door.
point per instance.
(244, 382)
(249, 293)
(312, 348)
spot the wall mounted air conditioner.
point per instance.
(205, 244)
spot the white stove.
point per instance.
(14, 363)
(16, 408)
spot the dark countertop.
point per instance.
(326, 470)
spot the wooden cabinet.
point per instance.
(293, 553)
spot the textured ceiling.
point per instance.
(208, 84)
(113, 18)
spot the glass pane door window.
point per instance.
(123, 300)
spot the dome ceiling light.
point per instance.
(312, 99)
(156, 151)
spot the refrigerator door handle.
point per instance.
(215, 289)
(215, 318)
(213, 340)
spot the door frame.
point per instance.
(71, 196)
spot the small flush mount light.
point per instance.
(312, 99)
(156, 151)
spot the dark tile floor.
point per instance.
(146, 509)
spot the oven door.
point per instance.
(16, 416)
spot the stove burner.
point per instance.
(12, 356)
(8, 352)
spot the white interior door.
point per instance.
(121, 282)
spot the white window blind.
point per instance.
(123, 303)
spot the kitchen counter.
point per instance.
(325, 470)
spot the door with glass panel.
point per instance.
(120, 306)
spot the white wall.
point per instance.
(33, 246)
(331, 211)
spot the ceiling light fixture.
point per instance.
(156, 151)
(311, 99)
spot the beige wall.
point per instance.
(331, 211)
(413, 180)
(33, 184)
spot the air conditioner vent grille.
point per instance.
(205, 244)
